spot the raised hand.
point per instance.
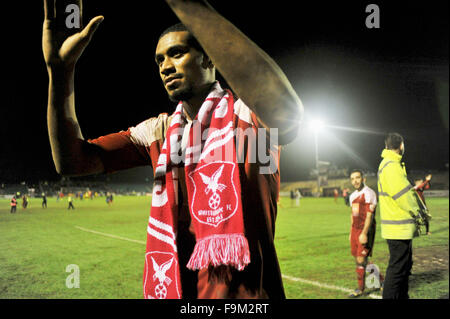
(61, 45)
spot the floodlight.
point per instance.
(317, 125)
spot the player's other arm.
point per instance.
(371, 205)
(427, 181)
(62, 48)
(425, 184)
(250, 72)
(351, 226)
(367, 224)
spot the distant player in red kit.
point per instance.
(363, 202)
(13, 204)
(420, 187)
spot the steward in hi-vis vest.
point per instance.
(400, 217)
(398, 206)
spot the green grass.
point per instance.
(38, 244)
(312, 243)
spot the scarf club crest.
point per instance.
(215, 197)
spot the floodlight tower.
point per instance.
(317, 125)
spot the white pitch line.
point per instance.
(109, 235)
(305, 281)
(320, 285)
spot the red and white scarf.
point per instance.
(214, 196)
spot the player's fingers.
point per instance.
(91, 27)
(49, 9)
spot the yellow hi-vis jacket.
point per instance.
(396, 198)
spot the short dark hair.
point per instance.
(357, 171)
(192, 41)
(393, 141)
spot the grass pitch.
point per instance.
(107, 243)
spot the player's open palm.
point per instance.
(62, 46)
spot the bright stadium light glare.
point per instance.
(317, 125)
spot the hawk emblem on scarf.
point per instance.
(160, 274)
(160, 279)
(212, 184)
(215, 198)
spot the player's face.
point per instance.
(356, 180)
(184, 70)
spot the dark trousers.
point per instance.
(399, 269)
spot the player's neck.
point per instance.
(361, 187)
(196, 101)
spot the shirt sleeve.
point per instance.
(118, 152)
(371, 197)
(131, 148)
(423, 186)
(371, 200)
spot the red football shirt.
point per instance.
(362, 202)
(141, 145)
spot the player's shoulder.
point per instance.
(353, 195)
(154, 122)
(152, 129)
(368, 190)
(243, 112)
(369, 193)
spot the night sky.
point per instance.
(390, 79)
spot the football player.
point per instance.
(363, 202)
